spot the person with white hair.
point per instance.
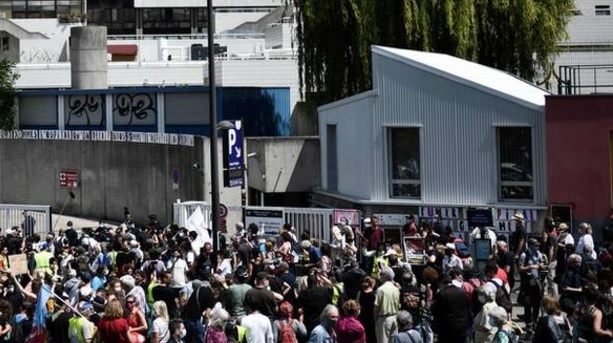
(586, 239)
(128, 283)
(324, 332)
(217, 322)
(387, 304)
(486, 295)
(406, 333)
(506, 330)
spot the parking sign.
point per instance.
(233, 155)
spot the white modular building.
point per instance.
(435, 135)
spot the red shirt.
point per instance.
(375, 238)
(113, 330)
(502, 275)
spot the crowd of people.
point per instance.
(158, 284)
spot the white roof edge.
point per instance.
(385, 51)
(344, 101)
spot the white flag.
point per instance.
(196, 222)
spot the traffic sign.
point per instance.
(223, 210)
(69, 178)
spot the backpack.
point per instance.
(286, 332)
(503, 298)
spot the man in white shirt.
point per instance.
(451, 260)
(258, 328)
(585, 239)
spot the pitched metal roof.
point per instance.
(490, 80)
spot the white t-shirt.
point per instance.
(258, 327)
(161, 327)
(178, 272)
(583, 241)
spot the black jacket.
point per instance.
(451, 312)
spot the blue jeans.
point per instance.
(195, 331)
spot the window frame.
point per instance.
(390, 161)
(499, 181)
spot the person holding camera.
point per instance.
(531, 263)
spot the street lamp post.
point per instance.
(215, 220)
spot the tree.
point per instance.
(8, 94)
(334, 37)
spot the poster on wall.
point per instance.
(505, 224)
(452, 217)
(346, 217)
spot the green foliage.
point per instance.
(334, 37)
(8, 94)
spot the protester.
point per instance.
(406, 332)
(286, 328)
(160, 332)
(113, 327)
(325, 331)
(348, 327)
(172, 286)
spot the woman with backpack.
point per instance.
(348, 327)
(287, 329)
(554, 326)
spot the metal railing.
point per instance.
(203, 36)
(585, 79)
(317, 221)
(12, 215)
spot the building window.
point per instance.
(405, 163)
(602, 9)
(5, 44)
(515, 163)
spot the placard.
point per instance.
(268, 221)
(19, 264)
(483, 249)
(479, 217)
(347, 217)
(414, 250)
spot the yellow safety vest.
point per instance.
(242, 332)
(113, 258)
(42, 260)
(375, 266)
(150, 299)
(75, 330)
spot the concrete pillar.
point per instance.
(88, 57)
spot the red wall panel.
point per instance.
(578, 153)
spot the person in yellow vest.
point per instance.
(42, 259)
(379, 261)
(80, 329)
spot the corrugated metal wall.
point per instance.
(354, 144)
(458, 135)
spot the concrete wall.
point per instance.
(111, 175)
(283, 164)
(88, 57)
